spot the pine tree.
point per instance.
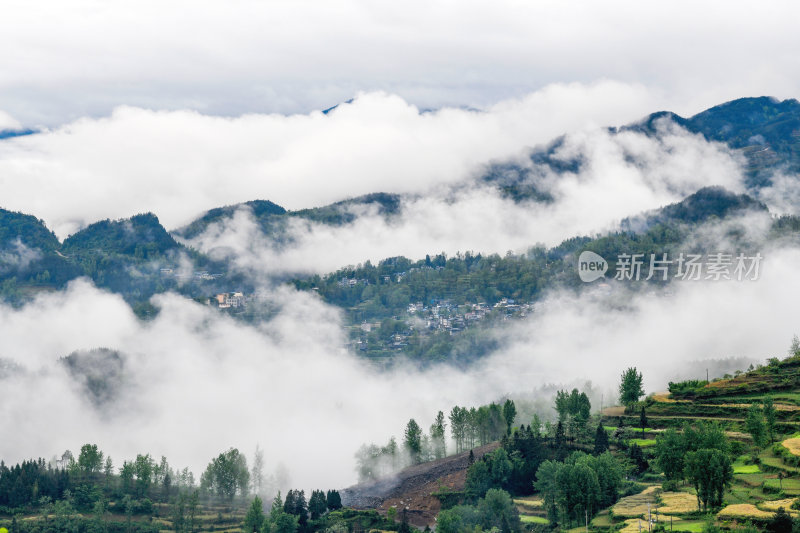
(404, 526)
(255, 517)
(643, 421)
(560, 434)
(600, 439)
(509, 414)
(301, 508)
(334, 500)
(317, 504)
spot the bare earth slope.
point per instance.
(411, 488)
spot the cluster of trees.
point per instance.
(699, 455)
(27, 482)
(469, 427)
(578, 487)
(88, 479)
(476, 427)
(574, 410)
(88, 493)
(227, 475)
(494, 512)
(294, 515)
(574, 485)
(512, 467)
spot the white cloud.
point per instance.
(621, 175)
(178, 164)
(7, 122)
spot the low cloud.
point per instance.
(620, 175)
(178, 164)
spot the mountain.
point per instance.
(260, 209)
(141, 236)
(9, 134)
(764, 130)
(273, 219)
(29, 255)
(708, 202)
(26, 229)
(134, 257)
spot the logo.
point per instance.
(591, 266)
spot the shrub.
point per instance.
(671, 485)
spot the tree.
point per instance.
(560, 434)
(334, 500)
(643, 421)
(404, 525)
(536, 426)
(770, 418)
(609, 478)
(497, 510)
(630, 387)
(636, 455)
(547, 484)
(509, 414)
(126, 477)
(108, 470)
(317, 504)
(710, 472)
(143, 470)
(600, 439)
(257, 473)
(492, 471)
(413, 440)
(458, 420)
(226, 475)
(755, 425)
(90, 460)
(562, 405)
(254, 520)
(794, 349)
(179, 514)
(670, 452)
(438, 436)
(279, 521)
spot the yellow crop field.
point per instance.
(529, 502)
(636, 505)
(677, 503)
(744, 511)
(793, 445)
(776, 504)
(632, 526)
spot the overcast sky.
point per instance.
(65, 60)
